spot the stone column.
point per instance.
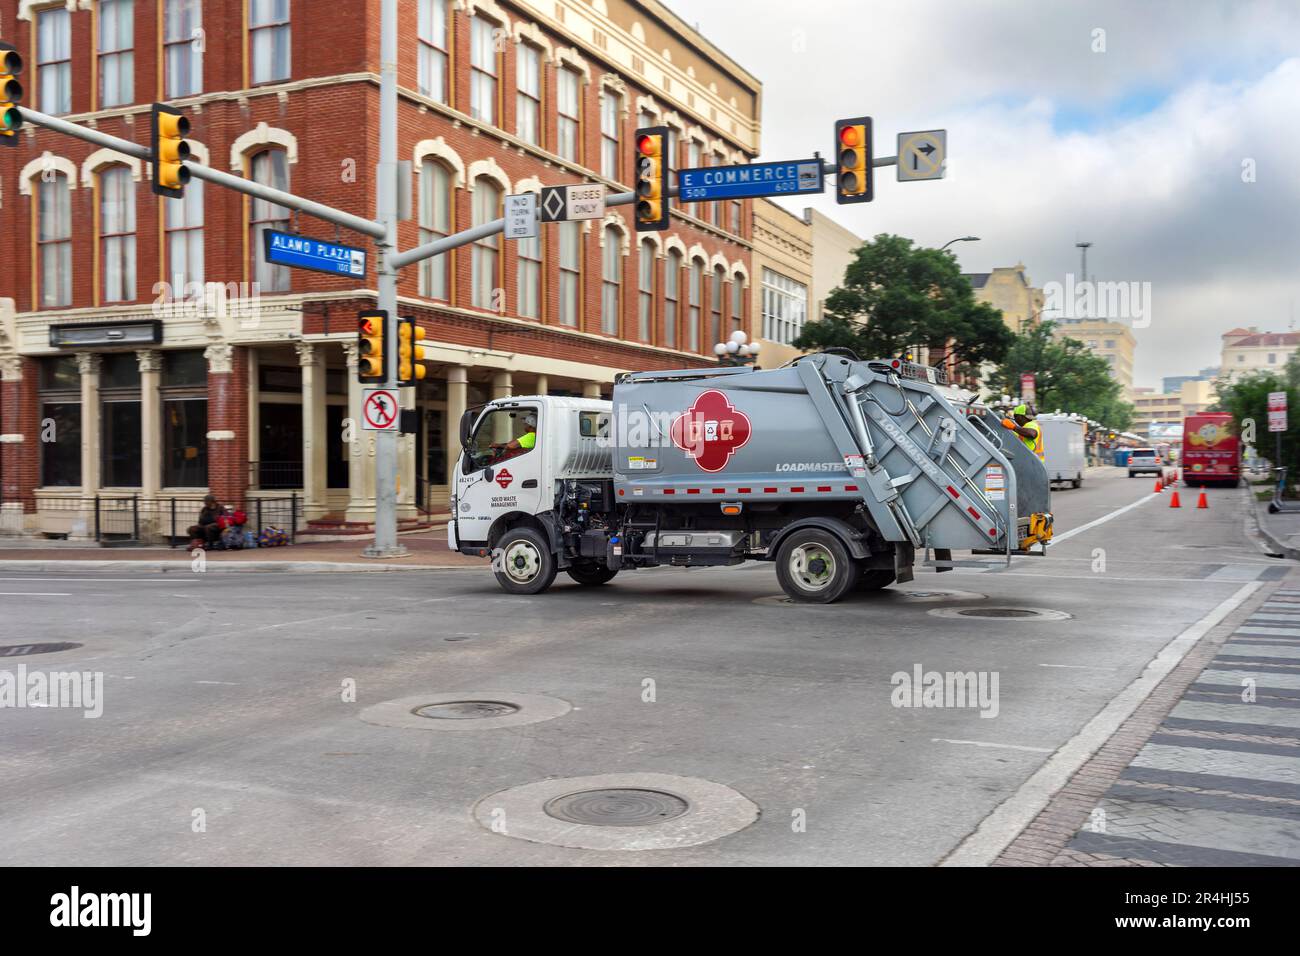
(361, 448)
(228, 425)
(311, 358)
(457, 402)
(502, 385)
(543, 384)
(591, 389)
(151, 443)
(90, 365)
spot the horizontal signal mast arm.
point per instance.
(199, 171)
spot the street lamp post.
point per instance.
(737, 350)
(959, 239)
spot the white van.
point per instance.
(1063, 448)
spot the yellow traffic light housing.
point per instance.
(371, 354)
(168, 129)
(410, 354)
(854, 182)
(651, 165)
(11, 94)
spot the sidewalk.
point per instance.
(1282, 531)
(428, 550)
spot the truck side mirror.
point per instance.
(466, 424)
(487, 474)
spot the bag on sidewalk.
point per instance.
(250, 539)
(272, 537)
(232, 539)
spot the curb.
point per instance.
(1286, 550)
(185, 566)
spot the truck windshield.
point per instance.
(503, 433)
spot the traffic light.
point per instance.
(11, 94)
(853, 151)
(372, 365)
(410, 355)
(651, 179)
(167, 132)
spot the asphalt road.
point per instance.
(225, 737)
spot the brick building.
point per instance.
(148, 351)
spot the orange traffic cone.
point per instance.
(1202, 502)
(1159, 487)
(1173, 502)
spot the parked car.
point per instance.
(1144, 461)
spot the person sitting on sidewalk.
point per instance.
(208, 530)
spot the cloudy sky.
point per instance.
(1143, 149)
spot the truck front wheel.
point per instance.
(523, 562)
(590, 575)
(814, 567)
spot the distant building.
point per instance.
(834, 247)
(1113, 341)
(1250, 350)
(1153, 409)
(782, 258)
(1008, 290)
(1172, 383)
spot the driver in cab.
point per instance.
(502, 451)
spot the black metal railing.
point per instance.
(275, 475)
(129, 519)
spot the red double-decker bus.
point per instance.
(1211, 450)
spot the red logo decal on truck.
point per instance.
(711, 431)
(504, 478)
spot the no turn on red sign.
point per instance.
(380, 409)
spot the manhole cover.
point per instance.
(884, 594)
(26, 650)
(1002, 613)
(619, 807)
(467, 709)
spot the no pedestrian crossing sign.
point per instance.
(380, 409)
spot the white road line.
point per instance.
(986, 743)
(999, 828)
(175, 579)
(1080, 667)
(1058, 538)
(35, 594)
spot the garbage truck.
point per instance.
(844, 473)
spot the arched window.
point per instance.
(672, 282)
(693, 317)
(715, 301)
(270, 168)
(183, 221)
(54, 240)
(117, 233)
(570, 271)
(435, 223)
(487, 206)
(611, 279)
(737, 301)
(646, 287)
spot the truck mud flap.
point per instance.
(904, 557)
(942, 554)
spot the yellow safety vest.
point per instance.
(528, 439)
(1036, 444)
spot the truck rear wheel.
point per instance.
(873, 579)
(814, 567)
(524, 563)
(590, 575)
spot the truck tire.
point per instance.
(590, 575)
(874, 579)
(814, 567)
(526, 565)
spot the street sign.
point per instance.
(380, 410)
(792, 177)
(921, 155)
(300, 252)
(1277, 411)
(568, 203)
(521, 216)
(1028, 387)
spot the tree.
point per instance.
(895, 296)
(1246, 399)
(1067, 375)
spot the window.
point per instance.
(611, 278)
(528, 100)
(502, 434)
(529, 277)
(646, 287)
(117, 233)
(270, 168)
(1110, 343)
(120, 421)
(182, 27)
(268, 22)
(611, 109)
(1240, 358)
(433, 49)
(116, 59)
(487, 206)
(483, 71)
(715, 300)
(693, 317)
(1272, 358)
(60, 398)
(54, 241)
(672, 280)
(435, 223)
(674, 138)
(570, 116)
(570, 271)
(736, 211)
(692, 162)
(183, 219)
(185, 419)
(785, 307)
(737, 302)
(644, 119)
(54, 62)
